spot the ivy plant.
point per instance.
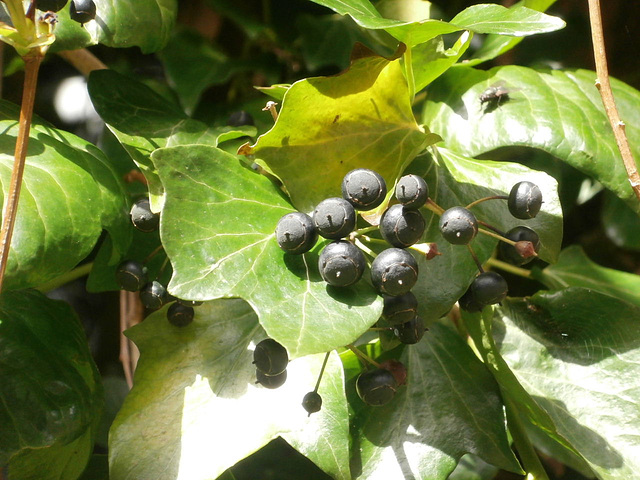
(471, 389)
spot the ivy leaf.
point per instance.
(51, 396)
(450, 406)
(217, 228)
(559, 112)
(142, 121)
(431, 59)
(576, 353)
(484, 18)
(620, 223)
(575, 269)
(82, 194)
(194, 382)
(147, 24)
(331, 125)
(455, 180)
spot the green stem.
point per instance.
(475, 258)
(362, 231)
(408, 68)
(507, 267)
(17, 13)
(364, 248)
(324, 364)
(363, 356)
(528, 456)
(499, 237)
(74, 274)
(494, 197)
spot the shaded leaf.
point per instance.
(455, 180)
(575, 269)
(194, 382)
(218, 229)
(51, 393)
(449, 407)
(569, 358)
(471, 467)
(147, 24)
(70, 193)
(559, 112)
(621, 223)
(331, 125)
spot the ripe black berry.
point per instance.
(525, 200)
(51, 5)
(400, 309)
(270, 357)
(364, 189)
(131, 275)
(376, 387)
(334, 218)
(394, 272)
(296, 233)
(271, 381)
(82, 11)
(189, 303)
(469, 303)
(240, 118)
(410, 332)
(401, 227)
(153, 295)
(489, 288)
(520, 233)
(142, 217)
(458, 226)
(341, 263)
(179, 315)
(312, 402)
(412, 191)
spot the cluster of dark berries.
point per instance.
(132, 275)
(81, 11)
(459, 226)
(394, 271)
(271, 360)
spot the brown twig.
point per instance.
(603, 85)
(32, 65)
(131, 313)
(83, 60)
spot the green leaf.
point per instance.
(576, 352)
(486, 18)
(143, 121)
(495, 45)
(195, 382)
(431, 59)
(575, 269)
(471, 467)
(621, 223)
(516, 21)
(450, 406)
(331, 125)
(218, 229)
(97, 469)
(51, 394)
(455, 180)
(559, 112)
(147, 24)
(70, 193)
(193, 65)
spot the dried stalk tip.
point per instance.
(429, 250)
(525, 249)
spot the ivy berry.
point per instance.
(312, 402)
(51, 5)
(399, 309)
(270, 357)
(412, 191)
(401, 227)
(271, 381)
(341, 263)
(180, 315)
(410, 332)
(376, 387)
(334, 218)
(82, 11)
(131, 275)
(513, 254)
(153, 295)
(394, 272)
(525, 200)
(296, 233)
(142, 217)
(364, 189)
(489, 288)
(458, 226)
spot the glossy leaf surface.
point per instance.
(449, 407)
(120, 23)
(329, 126)
(51, 392)
(218, 229)
(559, 112)
(70, 193)
(194, 382)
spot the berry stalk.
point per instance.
(366, 359)
(480, 200)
